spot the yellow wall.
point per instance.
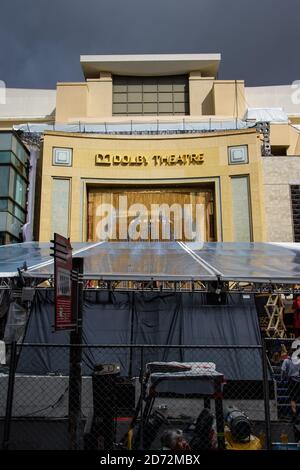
(295, 120)
(285, 135)
(229, 98)
(215, 168)
(201, 94)
(71, 101)
(92, 100)
(99, 103)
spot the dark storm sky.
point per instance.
(41, 40)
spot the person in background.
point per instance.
(205, 437)
(290, 371)
(173, 440)
(276, 359)
(296, 343)
(283, 352)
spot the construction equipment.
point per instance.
(275, 308)
(185, 378)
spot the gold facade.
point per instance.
(157, 169)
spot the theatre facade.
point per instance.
(157, 148)
(172, 169)
(218, 171)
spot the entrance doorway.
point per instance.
(170, 203)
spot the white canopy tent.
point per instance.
(166, 261)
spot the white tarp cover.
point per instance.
(138, 127)
(275, 115)
(256, 262)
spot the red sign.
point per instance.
(63, 283)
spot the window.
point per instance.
(241, 209)
(62, 156)
(10, 158)
(295, 197)
(151, 95)
(13, 186)
(5, 140)
(4, 181)
(13, 190)
(238, 155)
(6, 238)
(60, 206)
(3, 205)
(5, 157)
(20, 191)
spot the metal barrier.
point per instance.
(138, 397)
(285, 429)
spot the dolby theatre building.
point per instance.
(163, 130)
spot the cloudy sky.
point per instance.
(41, 40)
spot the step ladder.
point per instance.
(275, 308)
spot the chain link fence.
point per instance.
(140, 397)
(285, 429)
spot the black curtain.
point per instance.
(149, 319)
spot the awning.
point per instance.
(174, 261)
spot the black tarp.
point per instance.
(150, 319)
(4, 307)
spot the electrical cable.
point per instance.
(53, 405)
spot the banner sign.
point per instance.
(63, 283)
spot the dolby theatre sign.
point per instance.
(157, 160)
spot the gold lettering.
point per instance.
(102, 159)
(116, 160)
(197, 158)
(185, 159)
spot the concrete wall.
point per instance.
(279, 174)
(278, 96)
(34, 393)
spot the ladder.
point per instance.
(274, 308)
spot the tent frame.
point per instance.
(159, 286)
(208, 280)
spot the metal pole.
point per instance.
(10, 395)
(206, 402)
(132, 313)
(266, 395)
(141, 447)
(219, 414)
(75, 376)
